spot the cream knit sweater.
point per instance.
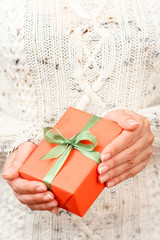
(95, 55)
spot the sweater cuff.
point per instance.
(112, 109)
(153, 115)
(33, 133)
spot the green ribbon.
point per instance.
(66, 145)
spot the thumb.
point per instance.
(16, 160)
(124, 120)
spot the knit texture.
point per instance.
(96, 56)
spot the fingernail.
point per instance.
(5, 173)
(54, 210)
(106, 156)
(110, 184)
(103, 169)
(41, 189)
(48, 197)
(9, 170)
(104, 179)
(131, 122)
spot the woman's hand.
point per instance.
(34, 194)
(129, 153)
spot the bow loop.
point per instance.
(85, 135)
(53, 137)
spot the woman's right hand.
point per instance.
(34, 194)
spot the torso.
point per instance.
(55, 55)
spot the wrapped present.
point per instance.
(67, 158)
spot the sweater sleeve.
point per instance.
(14, 131)
(153, 115)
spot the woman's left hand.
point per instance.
(129, 153)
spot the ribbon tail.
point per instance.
(94, 155)
(56, 167)
(55, 152)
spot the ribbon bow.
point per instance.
(64, 148)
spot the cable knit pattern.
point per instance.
(97, 56)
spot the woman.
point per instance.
(101, 57)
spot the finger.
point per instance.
(8, 162)
(35, 198)
(54, 210)
(128, 165)
(129, 153)
(127, 174)
(11, 171)
(123, 119)
(123, 141)
(23, 186)
(44, 206)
